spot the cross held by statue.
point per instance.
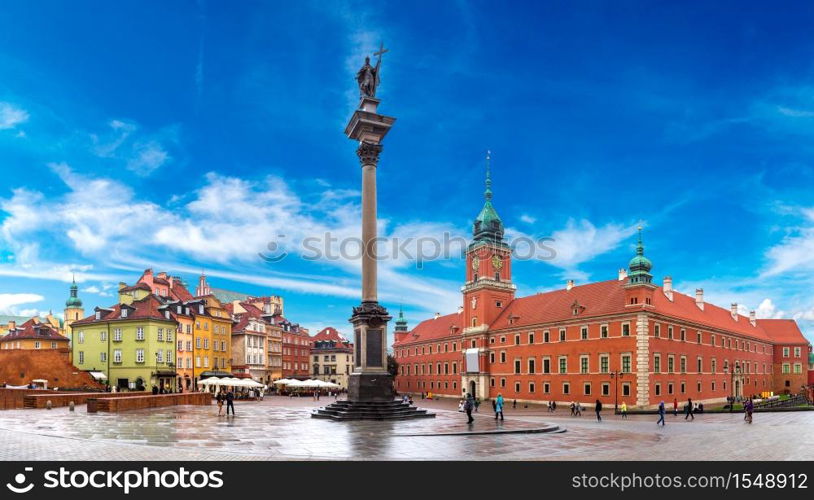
(381, 51)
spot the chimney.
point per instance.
(734, 310)
(162, 275)
(437, 315)
(668, 287)
(12, 325)
(752, 318)
(622, 274)
(172, 280)
(147, 277)
(569, 284)
(699, 298)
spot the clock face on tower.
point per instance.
(497, 262)
(475, 264)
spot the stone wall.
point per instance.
(149, 401)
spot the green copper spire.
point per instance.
(640, 265)
(401, 323)
(488, 193)
(488, 226)
(74, 300)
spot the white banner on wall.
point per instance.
(472, 360)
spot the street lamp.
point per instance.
(616, 376)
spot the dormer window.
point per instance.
(200, 309)
(167, 314)
(98, 314)
(179, 309)
(124, 312)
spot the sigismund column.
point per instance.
(370, 381)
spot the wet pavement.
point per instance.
(280, 428)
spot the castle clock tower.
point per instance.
(487, 292)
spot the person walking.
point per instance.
(749, 407)
(598, 409)
(688, 410)
(553, 406)
(477, 404)
(675, 407)
(469, 405)
(578, 409)
(514, 404)
(661, 414)
(499, 407)
(219, 400)
(573, 409)
(230, 403)
(624, 410)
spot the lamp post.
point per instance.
(616, 376)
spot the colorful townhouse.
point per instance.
(132, 343)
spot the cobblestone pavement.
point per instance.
(281, 429)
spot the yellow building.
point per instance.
(33, 335)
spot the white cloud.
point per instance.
(796, 251)
(528, 219)
(140, 153)
(768, 310)
(581, 241)
(11, 116)
(9, 301)
(147, 157)
(91, 289)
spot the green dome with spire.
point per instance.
(73, 300)
(401, 323)
(488, 226)
(640, 265)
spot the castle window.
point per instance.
(626, 329)
(584, 333)
(603, 331)
(498, 304)
(562, 335)
(475, 321)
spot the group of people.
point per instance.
(225, 397)
(471, 403)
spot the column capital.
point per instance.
(368, 153)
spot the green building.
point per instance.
(133, 344)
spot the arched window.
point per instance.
(475, 321)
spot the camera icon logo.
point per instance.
(20, 479)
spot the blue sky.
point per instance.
(188, 135)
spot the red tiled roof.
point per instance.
(783, 331)
(601, 298)
(137, 286)
(33, 329)
(329, 333)
(606, 298)
(146, 308)
(434, 328)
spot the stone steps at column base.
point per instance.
(349, 410)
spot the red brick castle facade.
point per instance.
(625, 339)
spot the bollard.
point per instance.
(49, 405)
(71, 406)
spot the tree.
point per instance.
(392, 365)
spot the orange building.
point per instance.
(625, 339)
